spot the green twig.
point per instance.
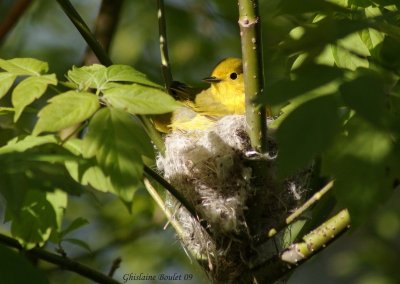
(165, 67)
(250, 31)
(154, 194)
(61, 261)
(270, 270)
(294, 216)
(84, 30)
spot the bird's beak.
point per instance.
(211, 79)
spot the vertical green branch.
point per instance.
(250, 31)
(165, 67)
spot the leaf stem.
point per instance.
(61, 261)
(250, 32)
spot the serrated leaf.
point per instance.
(366, 96)
(6, 81)
(307, 131)
(114, 139)
(93, 76)
(24, 66)
(12, 263)
(79, 243)
(29, 90)
(125, 73)
(65, 110)
(137, 99)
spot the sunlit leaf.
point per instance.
(29, 90)
(137, 99)
(6, 81)
(12, 263)
(66, 110)
(93, 76)
(125, 73)
(24, 66)
(116, 141)
(19, 144)
(307, 131)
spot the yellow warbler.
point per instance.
(225, 96)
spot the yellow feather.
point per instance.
(225, 96)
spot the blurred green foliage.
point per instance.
(332, 73)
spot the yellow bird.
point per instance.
(224, 97)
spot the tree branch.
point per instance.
(106, 25)
(61, 261)
(15, 13)
(270, 270)
(250, 32)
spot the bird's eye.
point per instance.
(233, 76)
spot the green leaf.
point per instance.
(351, 52)
(24, 66)
(37, 217)
(21, 144)
(75, 224)
(93, 76)
(306, 79)
(12, 266)
(66, 110)
(360, 162)
(366, 96)
(79, 243)
(125, 73)
(116, 141)
(100, 77)
(307, 131)
(6, 81)
(137, 99)
(29, 90)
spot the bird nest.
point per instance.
(218, 174)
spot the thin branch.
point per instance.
(178, 196)
(162, 29)
(61, 261)
(106, 25)
(84, 30)
(294, 216)
(13, 16)
(154, 194)
(250, 31)
(270, 270)
(105, 60)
